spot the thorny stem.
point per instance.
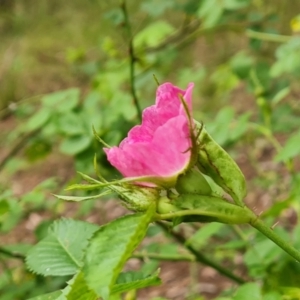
(132, 59)
(258, 224)
(199, 256)
(255, 222)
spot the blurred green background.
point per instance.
(66, 66)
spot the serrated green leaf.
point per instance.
(61, 252)
(109, 249)
(134, 281)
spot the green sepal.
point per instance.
(84, 187)
(79, 199)
(193, 182)
(216, 163)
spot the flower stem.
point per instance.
(11, 254)
(199, 256)
(268, 37)
(273, 236)
(132, 59)
(171, 257)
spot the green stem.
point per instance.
(18, 146)
(132, 59)
(268, 37)
(273, 236)
(11, 254)
(174, 257)
(199, 256)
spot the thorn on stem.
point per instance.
(273, 226)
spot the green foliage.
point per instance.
(108, 251)
(135, 280)
(290, 149)
(288, 60)
(245, 63)
(212, 11)
(79, 290)
(152, 35)
(61, 252)
(50, 296)
(202, 236)
(226, 119)
(4, 207)
(248, 291)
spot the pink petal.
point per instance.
(167, 154)
(168, 105)
(160, 146)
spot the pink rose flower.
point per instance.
(159, 148)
